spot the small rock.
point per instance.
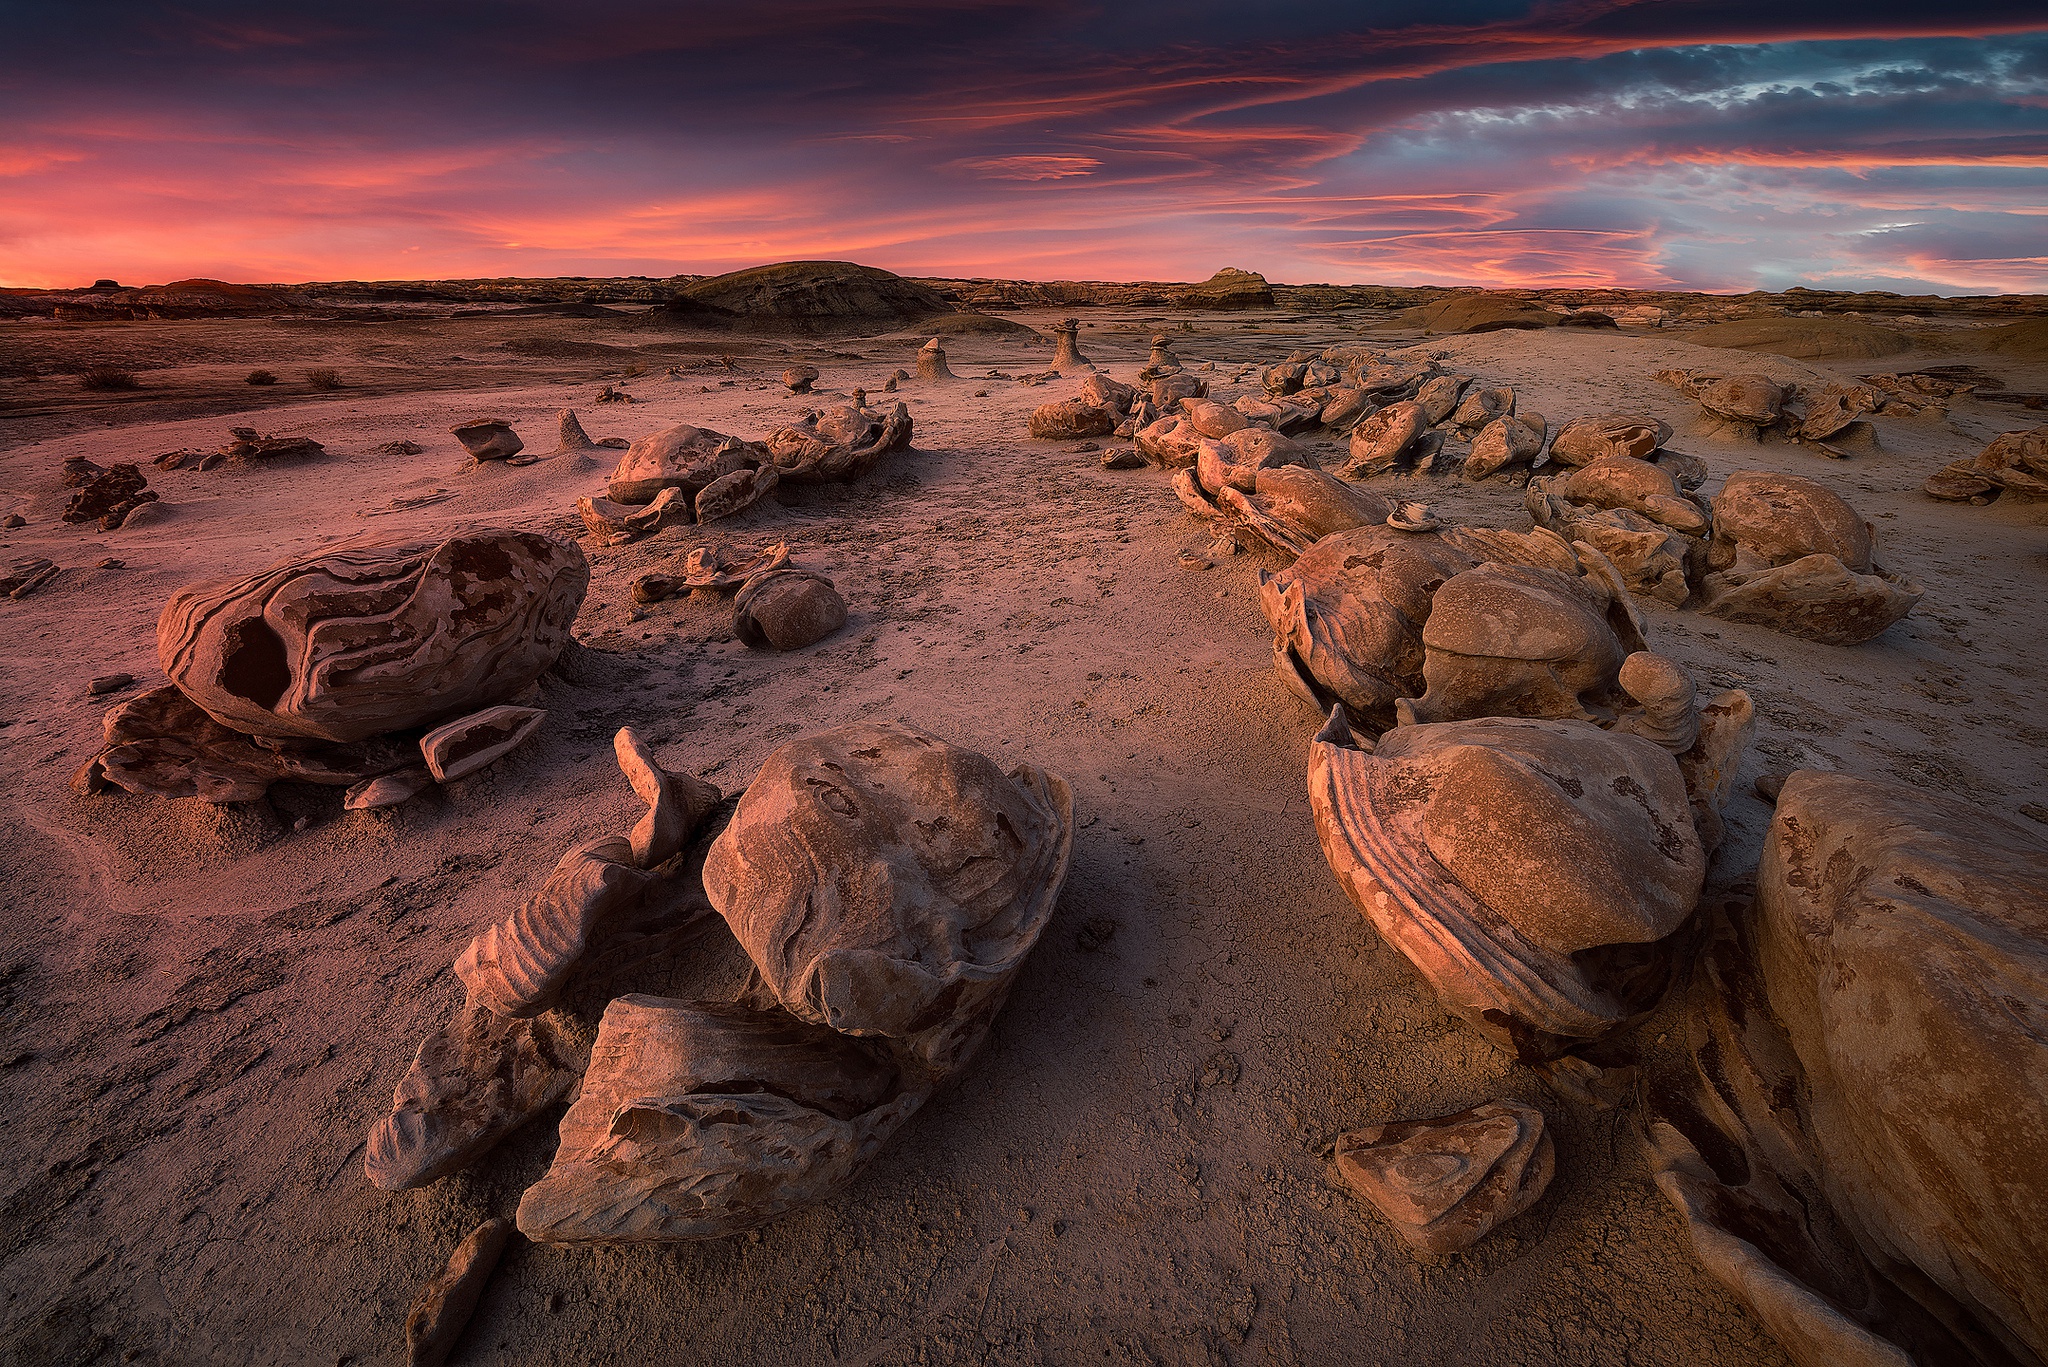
(388, 790)
(1195, 560)
(1095, 932)
(110, 564)
(1082, 447)
(442, 1311)
(1222, 1070)
(1444, 1183)
(13, 520)
(466, 745)
(1123, 458)
(109, 683)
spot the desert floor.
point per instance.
(206, 1008)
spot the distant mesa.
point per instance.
(1479, 312)
(106, 284)
(1229, 288)
(806, 296)
(1806, 339)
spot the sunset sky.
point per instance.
(1724, 144)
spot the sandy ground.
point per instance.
(205, 1009)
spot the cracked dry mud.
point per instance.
(202, 1010)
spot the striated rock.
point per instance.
(1585, 440)
(442, 1310)
(518, 966)
(787, 609)
(1532, 870)
(160, 744)
(732, 494)
(473, 1082)
(1103, 392)
(246, 444)
(358, 640)
(682, 457)
(838, 445)
(1229, 288)
(25, 575)
(1896, 949)
(1445, 1183)
(488, 438)
(461, 747)
(931, 362)
(677, 804)
(1067, 419)
(1652, 559)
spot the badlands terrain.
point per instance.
(206, 1007)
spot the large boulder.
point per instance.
(681, 457)
(1789, 554)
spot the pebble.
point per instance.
(109, 683)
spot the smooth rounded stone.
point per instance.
(1756, 400)
(1066, 351)
(931, 362)
(1815, 597)
(1411, 516)
(1168, 390)
(443, 1308)
(13, 521)
(1897, 948)
(798, 379)
(459, 748)
(1585, 440)
(1394, 380)
(353, 641)
(1653, 560)
(1503, 442)
(1523, 641)
(1771, 519)
(488, 438)
(2015, 461)
(1379, 443)
(889, 884)
(1344, 408)
(1446, 1182)
(1482, 405)
(616, 524)
(1067, 419)
(701, 1119)
(838, 445)
(787, 609)
(681, 457)
(1532, 870)
(677, 804)
(1292, 507)
(518, 966)
(160, 744)
(1123, 458)
(388, 790)
(1439, 396)
(1637, 485)
(1171, 443)
(1213, 419)
(474, 1081)
(732, 494)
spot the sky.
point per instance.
(1656, 144)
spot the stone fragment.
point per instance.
(357, 640)
(729, 495)
(1445, 1183)
(12, 521)
(25, 575)
(1122, 458)
(1410, 516)
(1381, 442)
(459, 748)
(517, 967)
(616, 524)
(388, 790)
(1292, 507)
(709, 568)
(1168, 390)
(2015, 462)
(118, 487)
(1439, 396)
(1506, 441)
(787, 609)
(246, 444)
(79, 472)
(1213, 419)
(488, 438)
(109, 683)
(1653, 560)
(676, 803)
(443, 1308)
(1533, 870)
(160, 744)
(1483, 405)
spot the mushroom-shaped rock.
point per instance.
(1531, 870)
(799, 378)
(1896, 950)
(1585, 440)
(1445, 1183)
(1379, 443)
(488, 438)
(838, 445)
(1789, 554)
(931, 362)
(1066, 351)
(682, 457)
(353, 641)
(1523, 641)
(787, 609)
(1505, 441)
(889, 884)
(1066, 419)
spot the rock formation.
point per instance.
(931, 362)
(682, 457)
(787, 609)
(1445, 1183)
(488, 438)
(1066, 351)
(837, 445)
(2015, 462)
(1789, 554)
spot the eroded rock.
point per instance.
(1789, 554)
(488, 438)
(786, 609)
(443, 1308)
(459, 748)
(839, 444)
(683, 457)
(1445, 1183)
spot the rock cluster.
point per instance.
(2016, 462)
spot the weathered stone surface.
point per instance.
(459, 748)
(160, 744)
(442, 1310)
(1773, 519)
(2014, 461)
(931, 362)
(1897, 949)
(518, 966)
(473, 1082)
(1483, 405)
(729, 495)
(1789, 554)
(1511, 440)
(118, 487)
(1104, 392)
(787, 609)
(1585, 440)
(1654, 560)
(682, 457)
(1445, 1183)
(798, 379)
(1168, 390)
(388, 790)
(1171, 443)
(354, 641)
(1066, 419)
(1528, 868)
(488, 438)
(710, 568)
(838, 445)
(1637, 485)
(676, 803)
(616, 524)
(888, 883)
(1379, 443)
(1440, 394)
(1292, 507)
(1815, 597)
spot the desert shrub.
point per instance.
(324, 378)
(262, 377)
(108, 377)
